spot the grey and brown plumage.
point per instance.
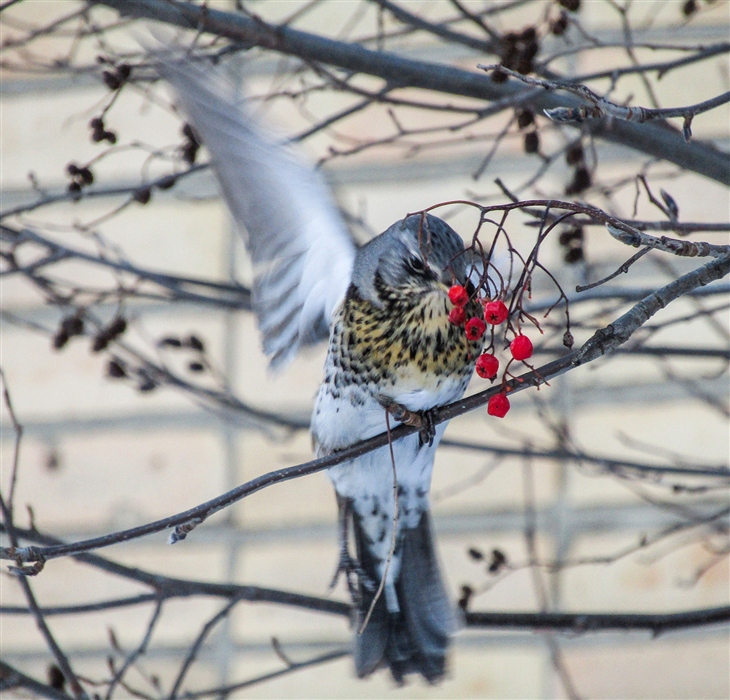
(385, 310)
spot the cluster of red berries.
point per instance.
(474, 327)
(487, 365)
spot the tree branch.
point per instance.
(603, 341)
(654, 140)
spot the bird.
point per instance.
(393, 356)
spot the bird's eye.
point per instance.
(416, 264)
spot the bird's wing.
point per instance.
(301, 250)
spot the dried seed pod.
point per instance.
(111, 80)
(569, 235)
(86, 175)
(73, 325)
(581, 181)
(142, 195)
(195, 343)
(189, 133)
(117, 327)
(574, 153)
(475, 554)
(60, 339)
(499, 76)
(499, 560)
(466, 593)
(147, 385)
(559, 25)
(115, 369)
(525, 118)
(574, 255)
(570, 5)
(55, 676)
(167, 182)
(532, 142)
(170, 342)
(190, 152)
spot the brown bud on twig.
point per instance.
(672, 206)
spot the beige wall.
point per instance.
(124, 459)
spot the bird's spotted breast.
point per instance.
(407, 345)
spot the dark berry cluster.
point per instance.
(571, 240)
(100, 133)
(81, 176)
(581, 181)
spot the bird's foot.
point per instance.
(354, 574)
(423, 420)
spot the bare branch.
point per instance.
(656, 141)
(602, 108)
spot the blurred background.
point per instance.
(103, 452)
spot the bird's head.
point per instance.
(416, 255)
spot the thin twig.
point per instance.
(195, 648)
(621, 270)
(601, 107)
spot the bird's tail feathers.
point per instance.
(414, 640)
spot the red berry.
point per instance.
(487, 366)
(521, 347)
(498, 405)
(458, 295)
(457, 316)
(475, 328)
(495, 312)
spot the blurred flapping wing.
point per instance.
(301, 250)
